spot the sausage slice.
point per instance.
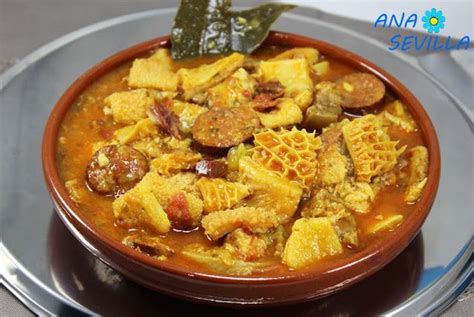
(225, 127)
(360, 90)
(115, 169)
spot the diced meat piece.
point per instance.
(326, 108)
(286, 112)
(331, 166)
(270, 191)
(274, 89)
(145, 128)
(175, 161)
(248, 247)
(346, 228)
(257, 220)
(178, 212)
(139, 209)
(196, 80)
(143, 206)
(187, 113)
(219, 194)
(328, 95)
(357, 196)
(152, 246)
(294, 75)
(212, 168)
(360, 90)
(317, 117)
(154, 72)
(311, 239)
(236, 90)
(417, 171)
(128, 107)
(115, 168)
(323, 202)
(225, 127)
(166, 120)
(332, 136)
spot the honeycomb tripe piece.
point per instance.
(370, 147)
(154, 72)
(219, 194)
(290, 154)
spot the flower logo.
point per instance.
(434, 20)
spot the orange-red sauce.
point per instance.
(86, 124)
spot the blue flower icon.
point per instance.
(434, 20)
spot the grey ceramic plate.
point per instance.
(48, 270)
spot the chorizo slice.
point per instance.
(225, 127)
(360, 90)
(115, 169)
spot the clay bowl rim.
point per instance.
(376, 254)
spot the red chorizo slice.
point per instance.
(360, 90)
(225, 127)
(115, 168)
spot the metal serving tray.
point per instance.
(46, 268)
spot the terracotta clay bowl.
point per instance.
(217, 289)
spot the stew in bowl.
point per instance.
(289, 161)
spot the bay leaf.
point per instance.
(210, 27)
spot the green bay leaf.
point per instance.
(209, 27)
